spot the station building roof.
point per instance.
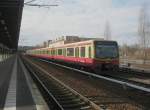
(10, 20)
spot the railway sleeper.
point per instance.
(68, 101)
(63, 93)
(75, 105)
(72, 103)
(67, 98)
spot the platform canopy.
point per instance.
(10, 20)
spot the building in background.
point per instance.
(67, 39)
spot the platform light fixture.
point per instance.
(7, 32)
(2, 21)
(5, 28)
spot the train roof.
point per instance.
(74, 44)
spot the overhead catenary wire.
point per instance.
(29, 3)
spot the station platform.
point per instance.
(17, 89)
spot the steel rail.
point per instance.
(92, 104)
(49, 93)
(123, 83)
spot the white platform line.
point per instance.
(10, 103)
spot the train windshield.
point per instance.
(106, 51)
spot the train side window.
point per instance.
(82, 51)
(49, 52)
(59, 51)
(70, 51)
(64, 52)
(89, 52)
(77, 51)
(54, 52)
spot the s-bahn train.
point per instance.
(92, 54)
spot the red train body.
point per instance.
(92, 54)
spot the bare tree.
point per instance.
(107, 31)
(144, 31)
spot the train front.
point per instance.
(106, 55)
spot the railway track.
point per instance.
(114, 85)
(58, 95)
(114, 77)
(127, 76)
(131, 76)
(137, 72)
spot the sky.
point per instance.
(84, 18)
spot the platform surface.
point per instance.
(17, 89)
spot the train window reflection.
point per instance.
(106, 51)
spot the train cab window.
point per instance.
(77, 51)
(59, 51)
(70, 51)
(82, 51)
(89, 52)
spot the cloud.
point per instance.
(79, 17)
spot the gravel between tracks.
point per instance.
(91, 88)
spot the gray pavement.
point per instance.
(17, 89)
(5, 75)
(24, 97)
